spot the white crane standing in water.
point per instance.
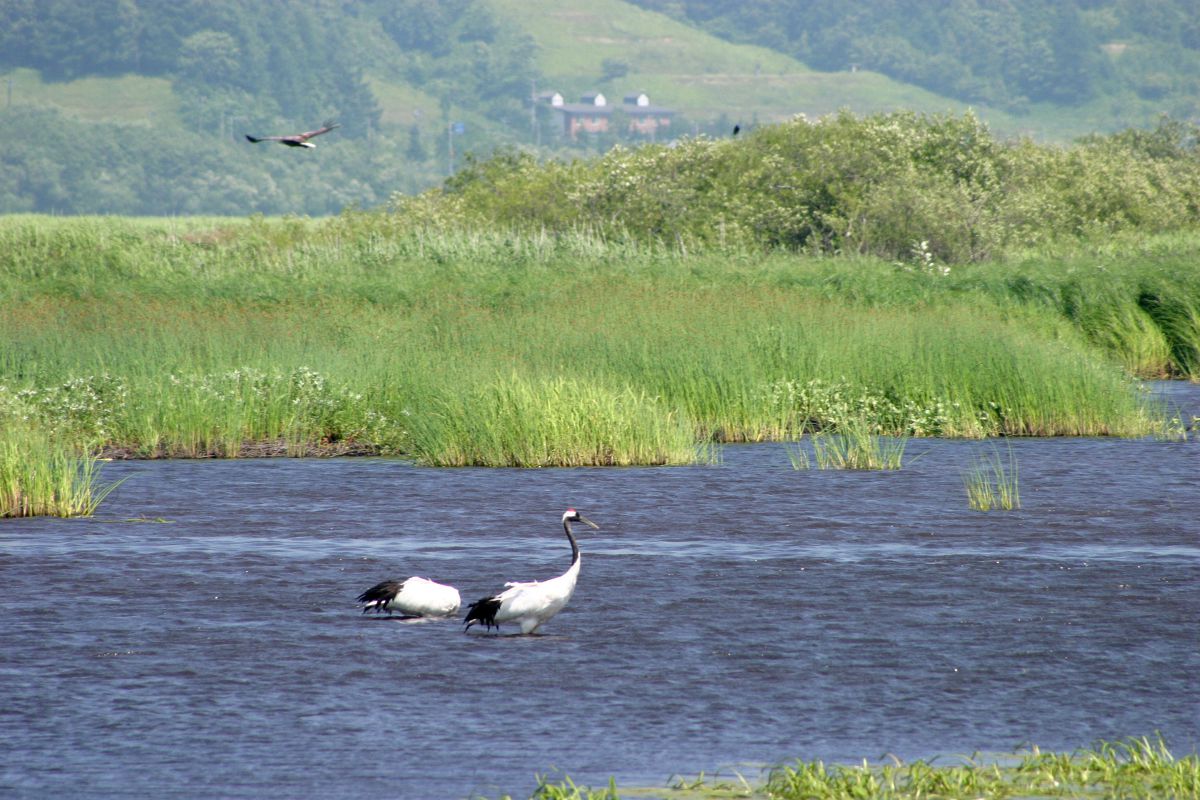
(531, 604)
(412, 598)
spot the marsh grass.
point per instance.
(1133, 769)
(854, 444)
(40, 476)
(798, 456)
(993, 482)
(520, 422)
(567, 789)
(158, 338)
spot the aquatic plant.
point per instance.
(991, 483)
(42, 476)
(856, 445)
(567, 789)
(798, 456)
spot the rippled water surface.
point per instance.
(729, 614)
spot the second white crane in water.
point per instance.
(411, 598)
(531, 604)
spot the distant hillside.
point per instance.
(1133, 56)
(132, 106)
(613, 46)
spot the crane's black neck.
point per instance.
(571, 539)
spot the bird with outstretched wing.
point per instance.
(295, 140)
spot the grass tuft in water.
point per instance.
(799, 456)
(856, 445)
(40, 476)
(1174, 428)
(991, 483)
(566, 789)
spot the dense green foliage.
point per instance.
(1006, 54)
(235, 58)
(630, 309)
(246, 67)
(265, 63)
(43, 476)
(59, 165)
(932, 191)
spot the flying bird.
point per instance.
(297, 140)
(412, 598)
(531, 604)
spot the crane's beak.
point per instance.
(587, 521)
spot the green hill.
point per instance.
(160, 99)
(687, 69)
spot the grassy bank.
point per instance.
(493, 349)
(365, 334)
(1135, 769)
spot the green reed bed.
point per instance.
(1133, 769)
(199, 376)
(1135, 298)
(158, 338)
(855, 446)
(519, 422)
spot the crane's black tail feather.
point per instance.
(484, 612)
(379, 595)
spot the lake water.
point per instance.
(737, 614)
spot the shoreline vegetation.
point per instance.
(530, 315)
(1138, 768)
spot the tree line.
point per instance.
(266, 62)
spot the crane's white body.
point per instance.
(414, 597)
(530, 604)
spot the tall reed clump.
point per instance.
(40, 476)
(991, 483)
(543, 422)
